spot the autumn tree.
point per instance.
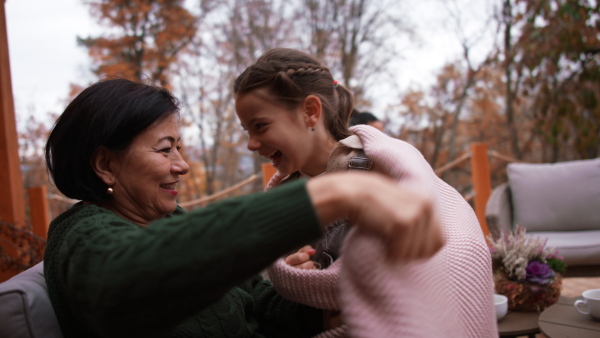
(240, 31)
(508, 18)
(33, 134)
(550, 60)
(32, 140)
(557, 55)
(534, 98)
(357, 39)
(468, 40)
(441, 110)
(345, 34)
(258, 25)
(428, 114)
(144, 39)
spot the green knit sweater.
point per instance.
(188, 275)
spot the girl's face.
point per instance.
(276, 132)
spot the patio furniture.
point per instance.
(561, 320)
(25, 309)
(518, 324)
(559, 202)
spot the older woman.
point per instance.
(126, 261)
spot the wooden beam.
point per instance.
(268, 170)
(39, 212)
(12, 201)
(482, 184)
(12, 204)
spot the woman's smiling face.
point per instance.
(274, 131)
(146, 173)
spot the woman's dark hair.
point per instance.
(291, 75)
(108, 114)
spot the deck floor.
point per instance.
(573, 287)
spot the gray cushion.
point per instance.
(25, 309)
(576, 247)
(562, 196)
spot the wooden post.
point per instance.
(482, 185)
(39, 212)
(268, 170)
(12, 201)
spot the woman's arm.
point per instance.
(402, 216)
(124, 279)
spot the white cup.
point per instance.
(501, 303)
(591, 301)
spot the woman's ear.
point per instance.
(312, 110)
(102, 166)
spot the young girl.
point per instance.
(296, 115)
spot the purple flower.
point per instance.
(538, 272)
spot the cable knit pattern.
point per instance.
(449, 295)
(108, 277)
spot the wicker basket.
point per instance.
(528, 296)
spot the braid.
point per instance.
(291, 76)
(306, 70)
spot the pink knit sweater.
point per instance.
(448, 295)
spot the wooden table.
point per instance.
(562, 320)
(517, 323)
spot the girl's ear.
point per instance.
(312, 110)
(102, 165)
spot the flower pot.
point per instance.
(525, 296)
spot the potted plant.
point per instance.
(527, 272)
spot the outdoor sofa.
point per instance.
(25, 308)
(559, 202)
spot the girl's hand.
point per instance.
(301, 259)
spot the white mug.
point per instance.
(501, 303)
(591, 301)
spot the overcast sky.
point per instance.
(45, 57)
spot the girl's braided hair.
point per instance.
(291, 75)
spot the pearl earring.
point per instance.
(109, 191)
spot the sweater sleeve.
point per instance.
(123, 279)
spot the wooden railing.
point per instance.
(209, 198)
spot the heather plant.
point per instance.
(525, 258)
(527, 272)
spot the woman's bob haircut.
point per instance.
(110, 114)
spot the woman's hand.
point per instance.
(301, 259)
(404, 218)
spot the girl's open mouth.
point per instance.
(276, 158)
